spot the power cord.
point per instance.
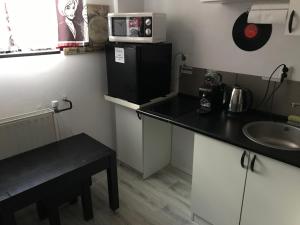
(275, 89)
(272, 99)
(266, 99)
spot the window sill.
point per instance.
(31, 53)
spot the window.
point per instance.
(38, 25)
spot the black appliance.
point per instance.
(213, 93)
(138, 73)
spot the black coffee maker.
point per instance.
(212, 94)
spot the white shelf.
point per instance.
(134, 106)
(122, 102)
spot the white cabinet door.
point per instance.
(218, 181)
(156, 144)
(182, 149)
(272, 194)
(145, 145)
(129, 131)
(293, 20)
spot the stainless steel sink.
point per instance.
(274, 135)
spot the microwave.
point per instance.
(137, 27)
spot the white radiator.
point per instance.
(25, 132)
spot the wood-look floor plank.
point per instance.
(163, 199)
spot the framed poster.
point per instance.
(72, 24)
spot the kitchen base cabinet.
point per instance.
(272, 194)
(253, 189)
(218, 181)
(144, 145)
(157, 144)
(129, 130)
(182, 149)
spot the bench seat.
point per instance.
(38, 175)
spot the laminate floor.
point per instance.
(163, 199)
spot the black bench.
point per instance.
(41, 175)
(49, 207)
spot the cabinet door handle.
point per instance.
(291, 20)
(138, 115)
(253, 163)
(243, 159)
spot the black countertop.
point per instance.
(182, 111)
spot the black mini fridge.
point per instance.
(138, 73)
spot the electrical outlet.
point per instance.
(54, 104)
(187, 59)
(184, 67)
(186, 70)
(274, 79)
(277, 76)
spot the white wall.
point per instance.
(30, 83)
(129, 5)
(204, 32)
(104, 2)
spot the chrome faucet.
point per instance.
(294, 104)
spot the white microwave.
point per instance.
(137, 27)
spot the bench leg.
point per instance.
(7, 218)
(89, 182)
(73, 201)
(53, 215)
(112, 181)
(86, 200)
(41, 210)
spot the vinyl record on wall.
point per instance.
(249, 36)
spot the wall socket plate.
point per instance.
(277, 76)
(274, 78)
(184, 69)
(55, 104)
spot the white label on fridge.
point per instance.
(119, 55)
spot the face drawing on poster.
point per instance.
(70, 29)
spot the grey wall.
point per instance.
(203, 31)
(288, 93)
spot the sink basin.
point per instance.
(274, 135)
